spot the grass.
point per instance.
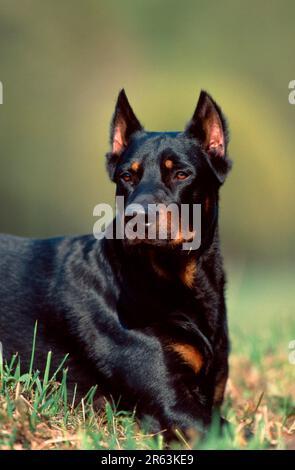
(35, 412)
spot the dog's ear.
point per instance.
(124, 124)
(208, 126)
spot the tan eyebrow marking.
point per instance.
(168, 163)
(135, 166)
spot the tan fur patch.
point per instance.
(190, 355)
(169, 164)
(181, 238)
(188, 273)
(207, 204)
(178, 238)
(135, 166)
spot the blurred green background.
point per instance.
(62, 64)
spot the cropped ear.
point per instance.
(208, 127)
(124, 124)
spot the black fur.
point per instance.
(119, 308)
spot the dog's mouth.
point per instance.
(163, 226)
(161, 233)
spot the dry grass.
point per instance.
(260, 404)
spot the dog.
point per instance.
(142, 319)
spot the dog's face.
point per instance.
(151, 168)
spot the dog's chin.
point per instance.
(156, 243)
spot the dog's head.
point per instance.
(168, 168)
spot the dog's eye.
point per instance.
(126, 176)
(181, 175)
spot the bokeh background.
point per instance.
(62, 64)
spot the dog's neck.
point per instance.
(170, 264)
(184, 264)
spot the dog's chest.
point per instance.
(150, 303)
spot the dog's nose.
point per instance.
(133, 210)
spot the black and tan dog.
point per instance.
(144, 320)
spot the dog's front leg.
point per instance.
(133, 366)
